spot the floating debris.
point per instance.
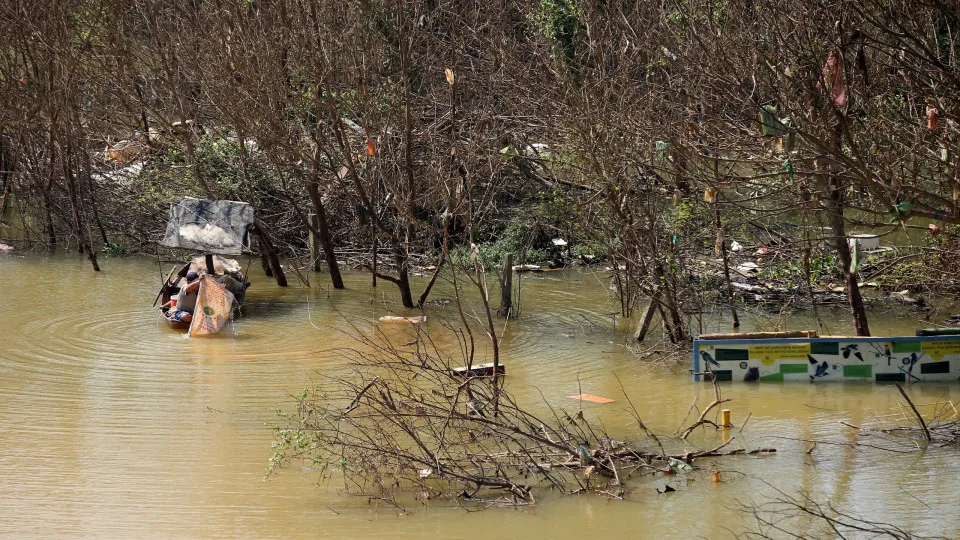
(397, 319)
(480, 370)
(591, 398)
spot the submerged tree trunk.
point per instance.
(722, 244)
(644, 325)
(506, 287)
(323, 234)
(7, 166)
(403, 275)
(267, 251)
(666, 323)
(436, 273)
(404, 264)
(93, 198)
(836, 203)
(47, 199)
(403, 281)
(314, 240)
(78, 229)
(670, 302)
(264, 263)
(51, 231)
(7, 183)
(433, 279)
(835, 210)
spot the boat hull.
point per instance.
(176, 279)
(874, 359)
(175, 324)
(178, 325)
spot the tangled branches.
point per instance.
(908, 426)
(778, 518)
(403, 422)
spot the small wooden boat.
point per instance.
(208, 226)
(173, 323)
(171, 286)
(765, 357)
(233, 282)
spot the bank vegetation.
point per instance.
(646, 136)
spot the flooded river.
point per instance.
(113, 425)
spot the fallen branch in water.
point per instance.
(923, 425)
(782, 515)
(703, 416)
(942, 428)
(401, 422)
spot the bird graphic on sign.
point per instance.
(821, 369)
(709, 359)
(852, 348)
(910, 361)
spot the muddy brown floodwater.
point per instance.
(112, 425)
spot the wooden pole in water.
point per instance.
(725, 418)
(506, 287)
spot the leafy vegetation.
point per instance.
(424, 127)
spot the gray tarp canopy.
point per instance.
(211, 226)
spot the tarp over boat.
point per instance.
(210, 226)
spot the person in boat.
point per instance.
(186, 299)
